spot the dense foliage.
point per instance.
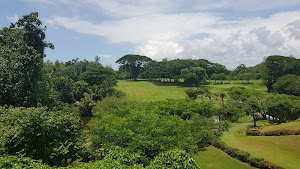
(279, 66)
(21, 60)
(153, 128)
(133, 64)
(51, 136)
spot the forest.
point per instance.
(77, 114)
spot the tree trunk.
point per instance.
(254, 120)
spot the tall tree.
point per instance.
(278, 66)
(22, 51)
(133, 64)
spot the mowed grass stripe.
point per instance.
(217, 159)
(147, 91)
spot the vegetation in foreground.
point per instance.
(42, 103)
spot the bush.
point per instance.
(272, 133)
(53, 137)
(175, 159)
(245, 157)
(13, 162)
(254, 133)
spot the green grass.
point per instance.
(148, 91)
(217, 88)
(280, 150)
(284, 126)
(217, 159)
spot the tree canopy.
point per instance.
(21, 60)
(133, 64)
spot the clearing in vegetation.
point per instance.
(151, 91)
(148, 91)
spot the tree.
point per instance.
(133, 64)
(21, 55)
(64, 86)
(280, 106)
(288, 84)
(239, 69)
(246, 76)
(278, 66)
(240, 94)
(218, 76)
(193, 75)
(222, 95)
(51, 136)
(253, 108)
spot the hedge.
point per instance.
(272, 133)
(245, 157)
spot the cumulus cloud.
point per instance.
(158, 50)
(174, 28)
(294, 29)
(163, 27)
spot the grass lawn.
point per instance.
(281, 150)
(217, 88)
(217, 159)
(295, 125)
(147, 91)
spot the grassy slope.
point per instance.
(147, 91)
(215, 158)
(287, 126)
(281, 150)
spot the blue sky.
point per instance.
(230, 32)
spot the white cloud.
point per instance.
(242, 5)
(173, 28)
(12, 19)
(158, 50)
(163, 27)
(294, 29)
(235, 42)
(130, 8)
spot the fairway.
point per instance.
(147, 91)
(217, 159)
(281, 150)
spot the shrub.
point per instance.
(272, 133)
(13, 162)
(52, 137)
(175, 159)
(254, 133)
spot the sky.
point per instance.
(229, 32)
